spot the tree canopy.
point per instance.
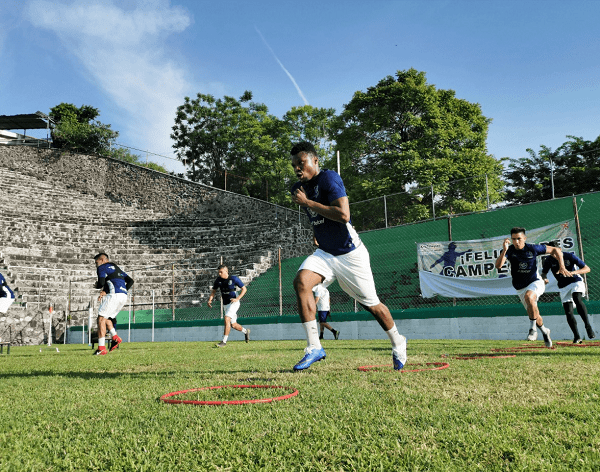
(405, 134)
(240, 139)
(571, 169)
(77, 129)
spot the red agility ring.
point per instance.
(479, 355)
(165, 397)
(442, 365)
(583, 344)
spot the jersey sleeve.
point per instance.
(237, 281)
(539, 249)
(334, 186)
(578, 262)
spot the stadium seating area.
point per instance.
(51, 233)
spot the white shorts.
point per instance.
(5, 303)
(112, 304)
(566, 293)
(538, 287)
(352, 271)
(231, 310)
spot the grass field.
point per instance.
(69, 410)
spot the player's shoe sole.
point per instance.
(310, 358)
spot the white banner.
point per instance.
(466, 269)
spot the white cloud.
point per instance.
(123, 51)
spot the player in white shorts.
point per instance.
(228, 284)
(114, 283)
(341, 254)
(571, 289)
(7, 296)
(525, 278)
(324, 310)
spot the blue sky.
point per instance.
(532, 65)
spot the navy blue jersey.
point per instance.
(112, 279)
(333, 237)
(227, 287)
(571, 260)
(5, 291)
(523, 264)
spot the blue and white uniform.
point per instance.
(341, 254)
(523, 269)
(7, 296)
(323, 305)
(566, 285)
(115, 282)
(228, 288)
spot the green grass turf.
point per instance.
(70, 410)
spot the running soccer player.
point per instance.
(7, 296)
(571, 289)
(323, 310)
(340, 254)
(525, 278)
(114, 283)
(227, 285)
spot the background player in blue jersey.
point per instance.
(114, 283)
(340, 255)
(571, 289)
(227, 285)
(7, 296)
(323, 310)
(525, 278)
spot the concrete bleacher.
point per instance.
(51, 232)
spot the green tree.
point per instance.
(573, 168)
(240, 139)
(78, 130)
(404, 134)
(125, 155)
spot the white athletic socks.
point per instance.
(544, 330)
(113, 332)
(225, 338)
(533, 324)
(312, 335)
(398, 342)
(101, 342)
(244, 330)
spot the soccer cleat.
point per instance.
(310, 357)
(336, 334)
(101, 351)
(399, 357)
(590, 332)
(547, 340)
(577, 340)
(320, 336)
(114, 343)
(532, 336)
(221, 344)
(247, 335)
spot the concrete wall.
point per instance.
(499, 328)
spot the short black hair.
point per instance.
(98, 256)
(222, 266)
(304, 147)
(517, 230)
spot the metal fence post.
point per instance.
(173, 295)
(433, 201)
(385, 210)
(280, 283)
